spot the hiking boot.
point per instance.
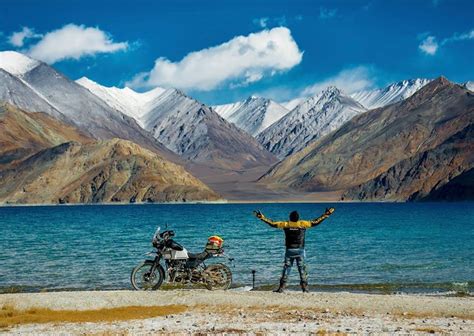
(279, 290)
(304, 288)
(282, 286)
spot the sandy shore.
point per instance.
(205, 312)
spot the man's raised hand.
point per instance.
(258, 214)
(329, 211)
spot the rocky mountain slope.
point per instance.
(310, 120)
(22, 133)
(18, 93)
(196, 132)
(187, 127)
(74, 103)
(253, 115)
(426, 174)
(460, 188)
(393, 93)
(104, 171)
(374, 143)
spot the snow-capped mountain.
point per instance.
(469, 85)
(15, 90)
(126, 100)
(198, 133)
(16, 63)
(36, 87)
(253, 115)
(185, 126)
(311, 119)
(391, 94)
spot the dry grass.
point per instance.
(324, 332)
(10, 316)
(431, 330)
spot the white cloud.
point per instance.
(348, 80)
(459, 37)
(17, 39)
(429, 45)
(73, 42)
(242, 60)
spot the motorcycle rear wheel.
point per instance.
(217, 277)
(141, 278)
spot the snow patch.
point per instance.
(253, 115)
(16, 63)
(469, 85)
(391, 94)
(132, 103)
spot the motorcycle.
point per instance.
(181, 266)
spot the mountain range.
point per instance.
(404, 151)
(163, 145)
(33, 85)
(311, 119)
(167, 122)
(44, 160)
(185, 126)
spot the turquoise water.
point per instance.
(379, 247)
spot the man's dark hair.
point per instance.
(294, 216)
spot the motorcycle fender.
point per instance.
(156, 263)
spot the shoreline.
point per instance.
(224, 202)
(436, 289)
(211, 312)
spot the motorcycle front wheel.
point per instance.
(217, 276)
(142, 278)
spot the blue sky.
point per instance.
(354, 44)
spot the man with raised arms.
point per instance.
(295, 230)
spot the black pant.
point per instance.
(291, 255)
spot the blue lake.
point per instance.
(380, 247)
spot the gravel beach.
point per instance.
(233, 312)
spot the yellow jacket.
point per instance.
(301, 224)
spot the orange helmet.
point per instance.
(214, 244)
(216, 241)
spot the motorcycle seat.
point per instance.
(201, 255)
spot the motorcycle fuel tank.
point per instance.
(176, 255)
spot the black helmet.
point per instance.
(294, 216)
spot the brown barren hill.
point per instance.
(103, 171)
(431, 174)
(370, 144)
(22, 134)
